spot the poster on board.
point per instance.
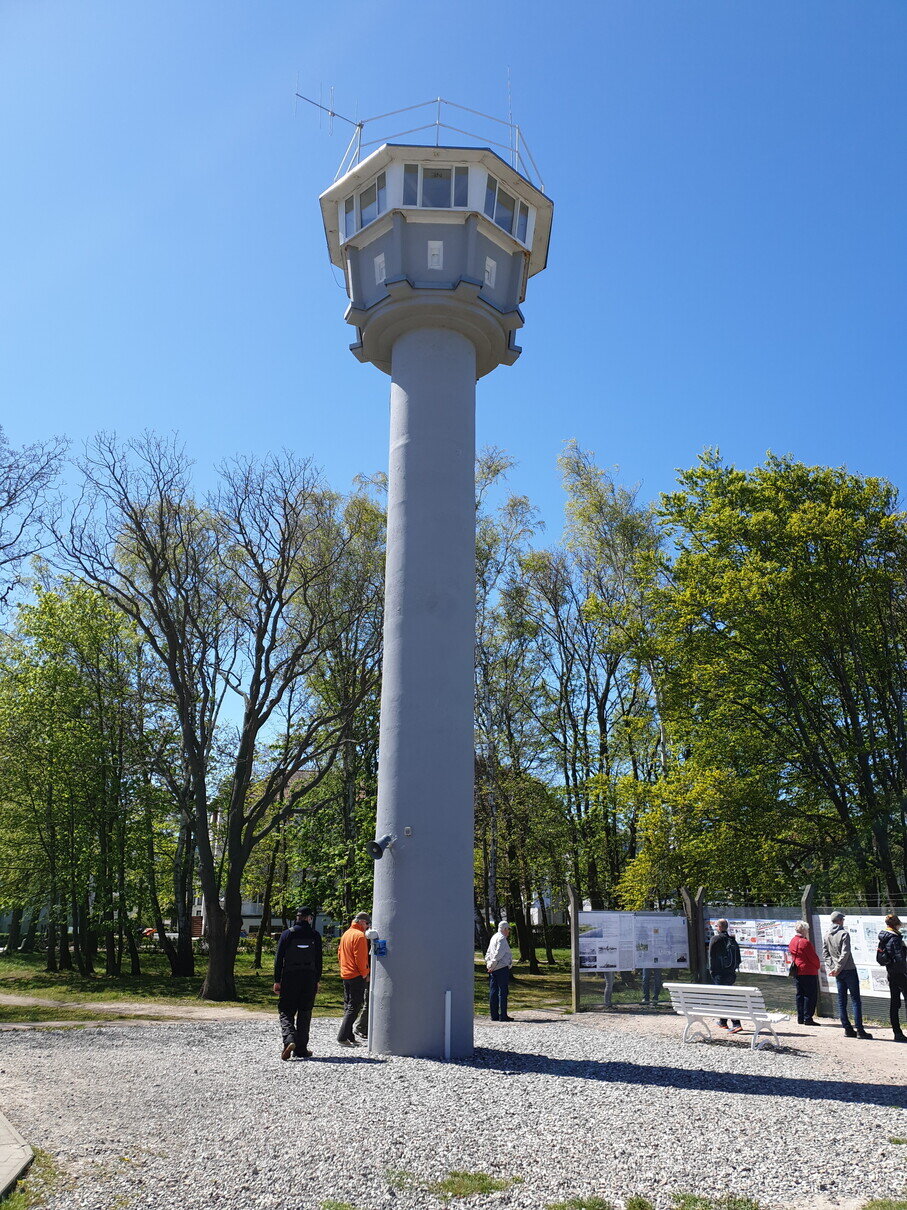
(864, 938)
(626, 941)
(763, 944)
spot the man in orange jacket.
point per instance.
(352, 955)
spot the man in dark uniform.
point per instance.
(297, 972)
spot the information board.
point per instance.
(763, 948)
(763, 944)
(864, 938)
(626, 941)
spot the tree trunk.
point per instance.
(220, 978)
(51, 964)
(266, 908)
(482, 931)
(64, 956)
(523, 928)
(15, 931)
(31, 934)
(546, 936)
(184, 958)
(135, 961)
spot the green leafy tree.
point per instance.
(781, 624)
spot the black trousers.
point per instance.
(807, 997)
(294, 1007)
(897, 990)
(353, 997)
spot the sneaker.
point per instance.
(288, 1051)
(899, 1038)
(861, 1033)
(811, 1021)
(723, 1025)
(303, 1054)
(737, 1029)
(347, 1042)
(849, 1032)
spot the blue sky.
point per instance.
(727, 264)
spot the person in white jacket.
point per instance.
(498, 961)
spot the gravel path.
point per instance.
(206, 1117)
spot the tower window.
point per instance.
(436, 184)
(505, 210)
(435, 188)
(363, 208)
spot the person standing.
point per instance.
(724, 959)
(297, 973)
(498, 961)
(806, 960)
(839, 963)
(352, 957)
(892, 954)
(651, 985)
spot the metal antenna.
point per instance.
(329, 110)
(510, 118)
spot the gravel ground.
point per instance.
(204, 1116)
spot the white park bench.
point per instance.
(697, 1001)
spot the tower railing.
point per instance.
(366, 136)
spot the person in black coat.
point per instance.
(297, 973)
(892, 954)
(724, 958)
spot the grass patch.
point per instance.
(24, 975)
(885, 1203)
(465, 1184)
(584, 1203)
(399, 1180)
(332, 1205)
(898, 1142)
(727, 1201)
(41, 1180)
(638, 1202)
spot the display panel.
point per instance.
(626, 941)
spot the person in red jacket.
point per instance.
(806, 960)
(352, 956)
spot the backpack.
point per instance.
(301, 954)
(891, 954)
(728, 955)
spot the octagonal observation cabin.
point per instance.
(409, 223)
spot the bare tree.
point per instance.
(25, 477)
(235, 598)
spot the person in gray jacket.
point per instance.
(839, 962)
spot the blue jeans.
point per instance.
(725, 979)
(498, 985)
(849, 981)
(651, 984)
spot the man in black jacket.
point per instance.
(724, 958)
(892, 954)
(297, 973)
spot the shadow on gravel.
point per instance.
(343, 1060)
(512, 1063)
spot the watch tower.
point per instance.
(437, 245)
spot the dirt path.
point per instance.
(132, 1008)
(880, 1061)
